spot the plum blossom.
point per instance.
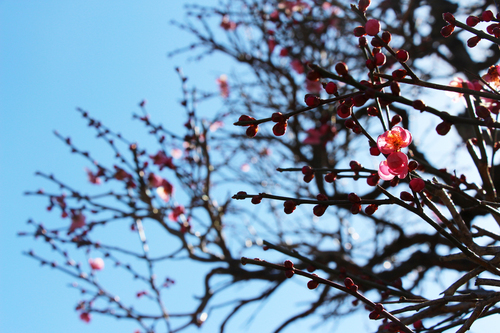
(175, 213)
(493, 76)
(165, 190)
(162, 160)
(93, 178)
(227, 24)
(77, 221)
(458, 82)
(96, 264)
(320, 136)
(390, 143)
(223, 86)
(297, 66)
(85, 316)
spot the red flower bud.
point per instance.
(374, 315)
(257, 199)
(396, 120)
(363, 5)
(344, 111)
(399, 74)
(355, 208)
(341, 68)
(331, 88)
(311, 100)
(472, 42)
(419, 105)
(330, 177)
(307, 170)
(386, 37)
(371, 209)
(406, 196)
(448, 17)
(359, 31)
(380, 59)
(402, 55)
(417, 184)
(289, 206)
(319, 210)
(372, 27)
(443, 128)
(313, 76)
(373, 180)
(279, 129)
(252, 130)
(278, 117)
(395, 89)
(372, 111)
(312, 284)
(447, 30)
(354, 198)
(472, 21)
(348, 282)
(288, 264)
(412, 165)
(487, 16)
(355, 166)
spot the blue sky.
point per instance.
(105, 57)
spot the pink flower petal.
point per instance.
(383, 171)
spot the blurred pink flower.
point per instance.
(93, 178)
(223, 86)
(493, 76)
(320, 136)
(77, 221)
(297, 66)
(85, 316)
(96, 264)
(313, 86)
(165, 190)
(175, 213)
(227, 24)
(459, 83)
(162, 160)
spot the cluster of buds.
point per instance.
(281, 123)
(252, 129)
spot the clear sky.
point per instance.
(102, 56)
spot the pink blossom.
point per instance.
(459, 83)
(176, 153)
(154, 180)
(297, 66)
(313, 86)
(162, 160)
(165, 190)
(393, 140)
(175, 213)
(271, 44)
(85, 316)
(391, 143)
(77, 221)
(493, 76)
(227, 24)
(215, 126)
(320, 136)
(96, 264)
(223, 86)
(93, 178)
